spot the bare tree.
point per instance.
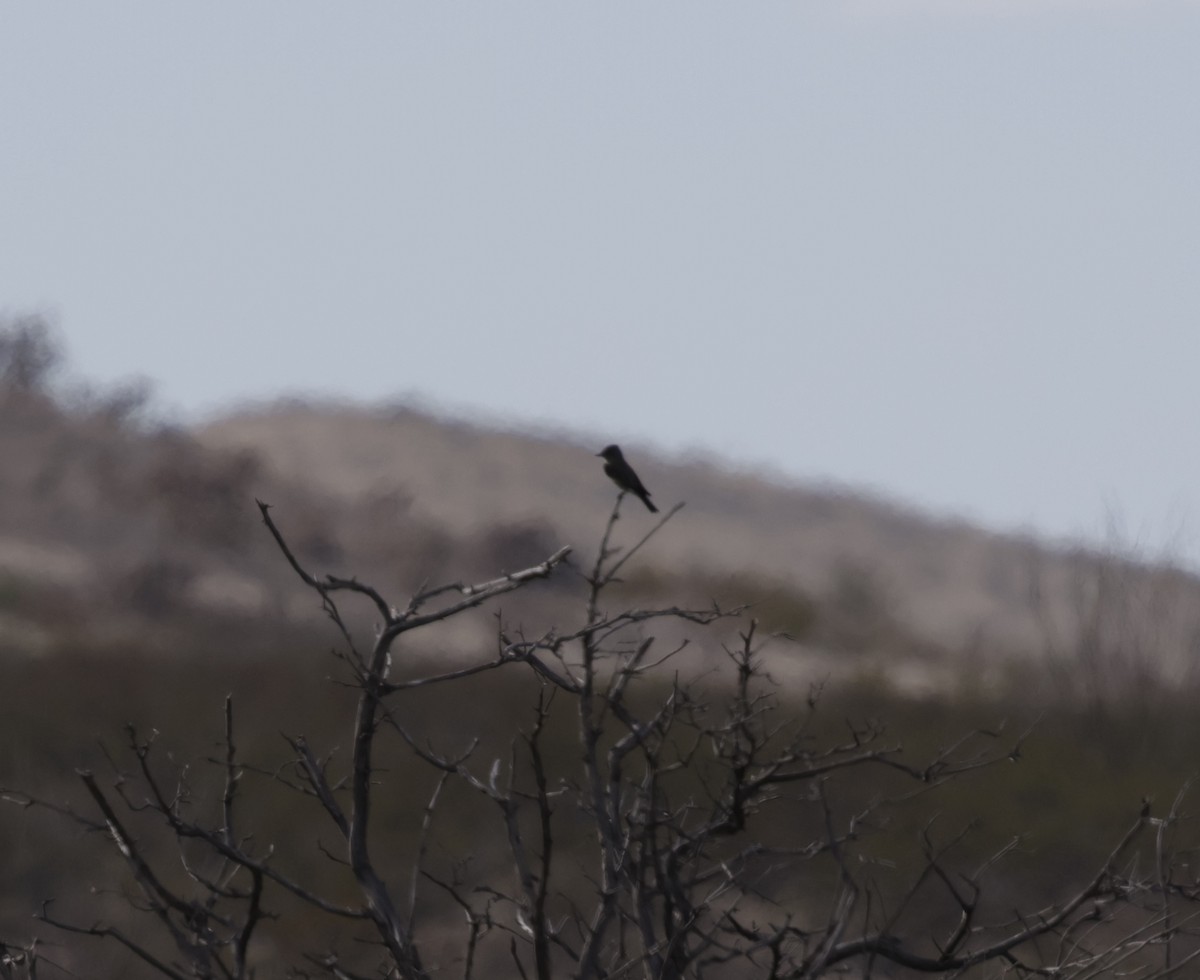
(693, 826)
(1117, 623)
(29, 352)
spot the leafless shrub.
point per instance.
(641, 824)
(155, 588)
(18, 962)
(125, 405)
(200, 493)
(1116, 625)
(856, 614)
(29, 353)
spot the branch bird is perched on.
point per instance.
(621, 473)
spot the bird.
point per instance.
(621, 473)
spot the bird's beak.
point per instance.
(601, 455)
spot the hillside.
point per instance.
(113, 524)
(954, 584)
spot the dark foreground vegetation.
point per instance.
(572, 803)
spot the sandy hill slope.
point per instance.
(108, 525)
(954, 583)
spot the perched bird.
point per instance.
(621, 473)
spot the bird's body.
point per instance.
(621, 473)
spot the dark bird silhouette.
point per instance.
(621, 473)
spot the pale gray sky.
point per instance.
(950, 251)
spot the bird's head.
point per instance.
(610, 452)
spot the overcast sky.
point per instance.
(946, 250)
